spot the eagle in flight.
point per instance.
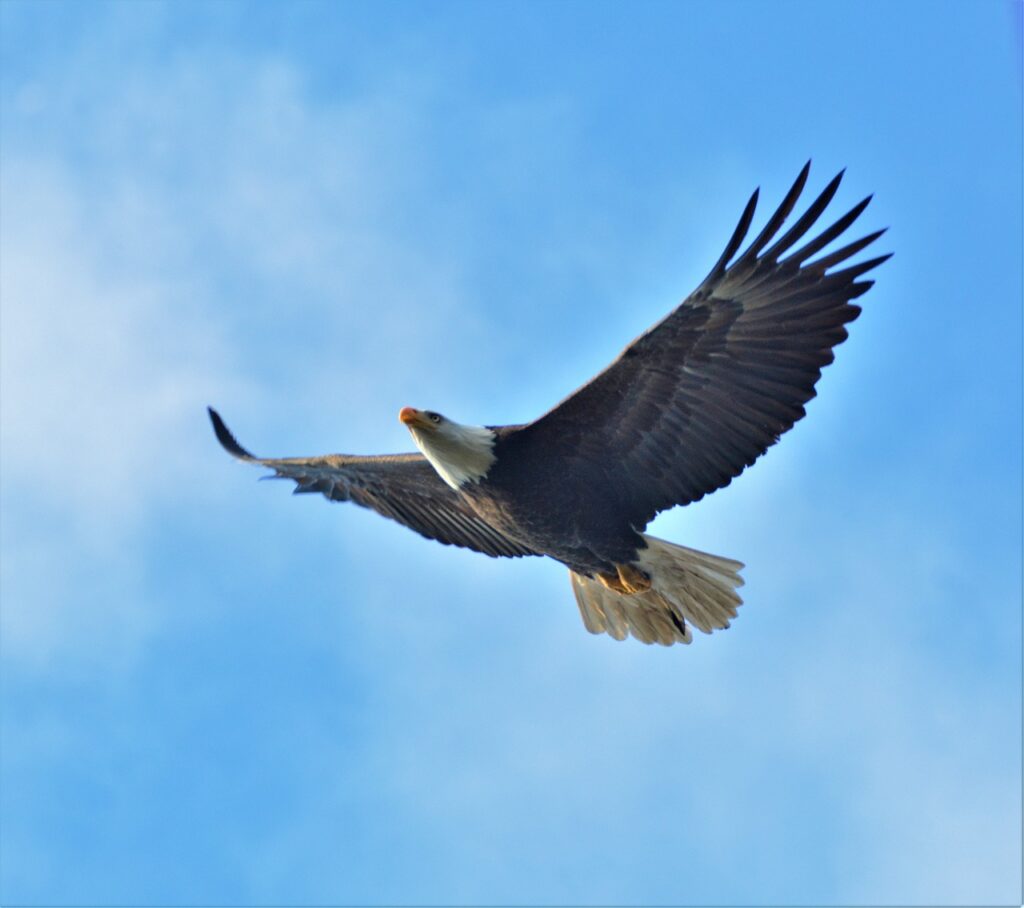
(685, 407)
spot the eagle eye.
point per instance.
(434, 417)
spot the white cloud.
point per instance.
(122, 285)
(102, 371)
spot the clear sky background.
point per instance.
(310, 215)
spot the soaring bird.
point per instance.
(686, 406)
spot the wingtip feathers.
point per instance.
(226, 439)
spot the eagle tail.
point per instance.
(688, 587)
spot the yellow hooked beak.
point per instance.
(414, 419)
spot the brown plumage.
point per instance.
(685, 408)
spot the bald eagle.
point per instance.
(685, 407)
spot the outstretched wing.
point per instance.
(701, 395)
(404, 487)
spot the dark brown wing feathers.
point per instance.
(686, 407)
(403, 487)
(697, 398)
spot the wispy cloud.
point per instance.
(103, 369)
(115, 330)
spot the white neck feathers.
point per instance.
(460, 454)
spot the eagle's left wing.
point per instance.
(702, 394)
(404, 487)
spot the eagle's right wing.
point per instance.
(404, 487)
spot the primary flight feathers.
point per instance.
(685, 407)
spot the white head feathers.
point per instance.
(460, 454)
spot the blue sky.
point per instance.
(311, 215)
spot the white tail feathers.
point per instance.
(687, 588)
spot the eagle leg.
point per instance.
(627, 581)
(633, 579)
(613, 583)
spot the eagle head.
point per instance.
(460, 454)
